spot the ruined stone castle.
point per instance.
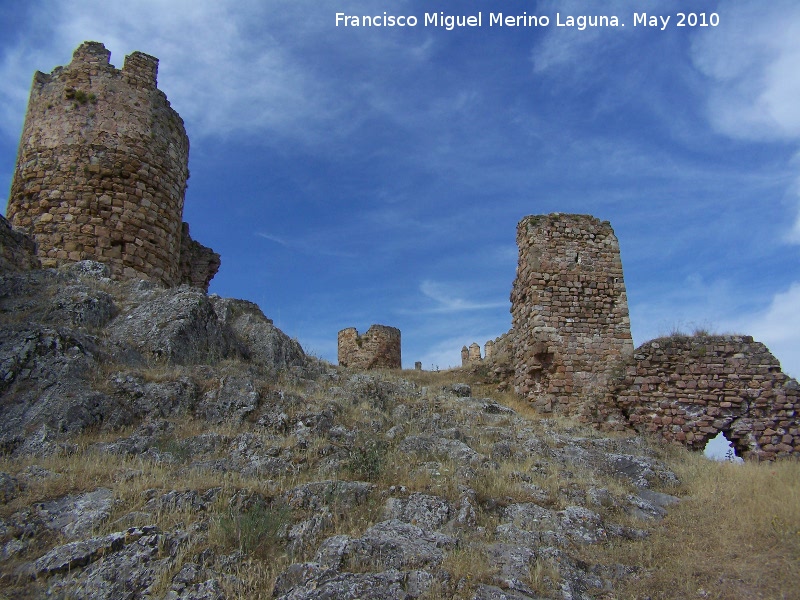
(570, 351)
(378, 348)
(101, 174)
(102, 169)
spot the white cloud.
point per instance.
(445, 354)
(571, 48)
(310, 246)
(793, 236)
(712, 306)
(751, 61)
(448, 298)
(227, 66)
(779, 328)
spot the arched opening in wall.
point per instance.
(721, 448)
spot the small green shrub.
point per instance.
(367, 460)
(256, 531)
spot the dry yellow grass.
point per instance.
(735, 535)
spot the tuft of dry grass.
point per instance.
(544, 576)
(468, 566)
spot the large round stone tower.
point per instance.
(102, 169)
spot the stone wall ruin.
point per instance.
(571, 352)
(378, 348)
(689, 388)
(569, 309)
(101, 171)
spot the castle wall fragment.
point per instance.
(377, 348)
(689, 388)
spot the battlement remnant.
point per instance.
(101, 171)
(570, 323)
(472, 355)
(378, 348)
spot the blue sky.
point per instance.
(351, 176)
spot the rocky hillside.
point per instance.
(169, 444)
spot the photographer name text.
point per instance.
(450, 22)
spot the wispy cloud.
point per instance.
(306, 246)
(575, 49)
(448, 299)
(222, 76)
(720, 307)
(752, 66)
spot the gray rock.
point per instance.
(581, 525)
(388, 544)
(491, 592)
(37, 473)
(251, 454)
(460, 390)
(648, 504)
(422, 510)
(640, 470)
(173, 326)
(309, 581)
(309, 531)
(75, 516)
(491, 407)
(531, 524)
(125, 573)
(455, 450)
(9, 487)
(203, 444)
(259, 340)
(90, 269)
(79, 305)
(576, 578)
(154, 399)
(12, 548)
(17, 250)
(233, 400)
(69, 557)
(147, 438)
(658, 499)
(210, 589)
(340, 495)
(45, 386)
(57, 297)
(187, 500)
(513, 563)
